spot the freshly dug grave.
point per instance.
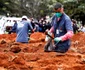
(31, 56)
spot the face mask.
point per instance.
(58, 14)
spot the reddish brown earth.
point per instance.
(31, 56)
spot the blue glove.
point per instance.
(57, 39)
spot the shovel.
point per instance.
(49, 47)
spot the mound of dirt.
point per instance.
(31, 56)
(37, 37)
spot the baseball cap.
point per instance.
(58, 5)
(24, 17)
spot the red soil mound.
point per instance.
(31, 56)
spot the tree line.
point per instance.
(39, 8)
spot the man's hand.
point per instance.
(57, 39)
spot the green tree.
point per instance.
(37, 8)
(75, 9)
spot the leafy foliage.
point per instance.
(37, 8)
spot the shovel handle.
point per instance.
(46, 32)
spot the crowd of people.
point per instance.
(41, 25)
(77, 27)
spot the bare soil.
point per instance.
(31, 56)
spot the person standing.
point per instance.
(61, 29)
(22, 28)
(75, 27)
